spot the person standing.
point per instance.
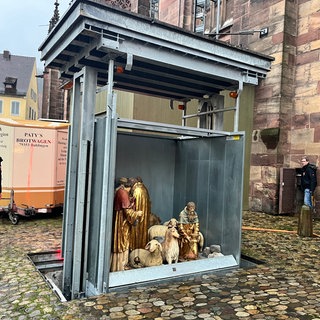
(124, 218)
(308, 181)
(141, 198)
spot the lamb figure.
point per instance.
(148, 257)
(170, 246)
(173, 222)
(159, 230)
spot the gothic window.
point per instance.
(200, 15)
(213, 15)
(154, 9)
(123, 4)
(222, 14)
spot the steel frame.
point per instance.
(89, 41)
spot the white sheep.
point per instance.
(171, 223)
(148, 257)
(159, 231)
(170, 246)
(201, 241)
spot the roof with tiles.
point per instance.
(18, 67)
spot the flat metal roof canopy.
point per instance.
(158, 59)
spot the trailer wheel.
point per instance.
(13, 218)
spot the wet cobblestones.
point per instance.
(285, 286)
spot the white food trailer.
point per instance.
(34, 155)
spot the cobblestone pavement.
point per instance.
(285, 286)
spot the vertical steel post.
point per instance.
(236, 113)
(184, 113)
(105, 232)
(70, 189)
(83, 194)
(77, 191)
(218, 19)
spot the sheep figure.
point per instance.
(170, 246)
(148, 257)
(201, 241)
(171, 223)
(159, 231)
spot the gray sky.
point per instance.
(24, 25)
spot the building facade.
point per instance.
(286, 110)
(286, 105)
(18, 87)
(54, 97)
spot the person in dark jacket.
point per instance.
(308, 181)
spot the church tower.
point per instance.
(53, 103)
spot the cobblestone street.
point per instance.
(285, 286)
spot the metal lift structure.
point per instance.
(88, 45)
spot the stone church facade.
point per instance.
(286, 119)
